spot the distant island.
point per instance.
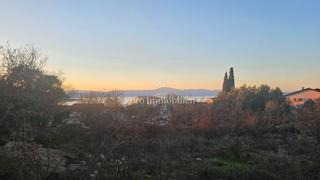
(153, 92)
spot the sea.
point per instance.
(127, 100)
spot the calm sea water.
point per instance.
(129, 99)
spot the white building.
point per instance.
(298, 98)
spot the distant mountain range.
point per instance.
(154, 92)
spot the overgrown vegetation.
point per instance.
(247, 133)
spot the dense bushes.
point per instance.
(29, 96)
(28, 107)
(248, 106)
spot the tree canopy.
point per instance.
(28, 93)
(228, 82)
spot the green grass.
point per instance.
(228, 165)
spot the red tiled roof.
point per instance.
(302, 90)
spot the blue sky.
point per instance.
(142, 44)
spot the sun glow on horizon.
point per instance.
(147, 45)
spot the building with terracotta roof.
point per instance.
(298, 98)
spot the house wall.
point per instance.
(300, 98)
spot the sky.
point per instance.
(147, 44)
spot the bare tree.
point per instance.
(28, 101)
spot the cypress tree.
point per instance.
(225, 82)
(231, 84)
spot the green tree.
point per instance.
(225, 82)
(233, 108)
(29, 95)
(228, 82)
(28, 107)
(231, 83)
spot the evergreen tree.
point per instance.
(231, 84)
(228, 82)
(225, 82)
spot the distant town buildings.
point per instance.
(209, 101)
(298, 98)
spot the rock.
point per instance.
(52, 160)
